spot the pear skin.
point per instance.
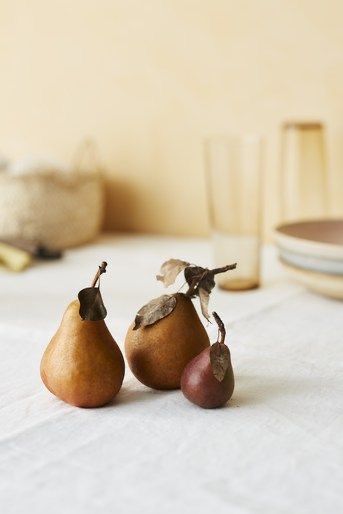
(82, 365)
(200, 386)
(157, 354)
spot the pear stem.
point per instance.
(228, 267)
(221, 328)
(101, 270)
(214, 271)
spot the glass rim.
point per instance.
(303, 125)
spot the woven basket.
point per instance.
(51, 205)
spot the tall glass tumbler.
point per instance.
(304, 171)
(234, 184)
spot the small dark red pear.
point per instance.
(208, 379)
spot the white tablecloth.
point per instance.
(277, 447)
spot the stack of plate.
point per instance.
(312, 252)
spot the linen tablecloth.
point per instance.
(276, 448)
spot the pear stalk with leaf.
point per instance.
(83, 365)
(167, 332)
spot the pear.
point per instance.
(167, 332)
(208, 379)
(158, 353)
(83, 365)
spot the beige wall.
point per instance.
(149, 78)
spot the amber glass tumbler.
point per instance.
(234, 186)
(304, 181)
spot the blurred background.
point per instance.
(148, 81)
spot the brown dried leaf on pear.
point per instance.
(201, 282)
(170, 270)
(198, 277)
(204, 297)
(156, 309)
(92, 307)
(220, 360)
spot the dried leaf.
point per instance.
(220, 360)
(204, 297)
(201, 282)
(156, 309)
(92, 307)
(170, 270)
(199, 278)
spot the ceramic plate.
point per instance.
(307, 262)
(328, 285)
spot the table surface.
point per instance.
(276, 448)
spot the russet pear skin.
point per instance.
(201, 387)
(82, 365)
(157, 354)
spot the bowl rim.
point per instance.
(302, 245)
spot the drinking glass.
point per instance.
(304, 172)
(234, 184)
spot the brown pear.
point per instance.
(83, 365)
(158, 353)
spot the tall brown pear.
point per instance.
(167, 332)
(83, 365)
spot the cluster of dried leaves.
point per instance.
(200, 283)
